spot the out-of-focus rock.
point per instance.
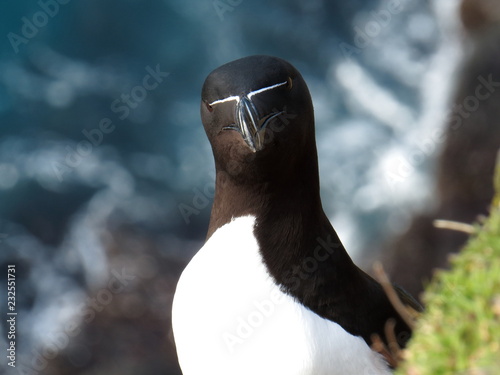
(464, 186)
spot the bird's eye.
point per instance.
(209, 107)
(289, 83)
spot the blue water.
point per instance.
(86, 143)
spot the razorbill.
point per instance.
(273, 290)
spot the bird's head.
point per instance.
(258, 115)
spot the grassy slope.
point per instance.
(460, 330)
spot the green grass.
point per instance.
(459, 333)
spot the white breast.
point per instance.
(229, 318)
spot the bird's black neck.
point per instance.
(274, 192)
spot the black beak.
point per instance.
(250, 125)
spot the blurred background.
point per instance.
(106, 176)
